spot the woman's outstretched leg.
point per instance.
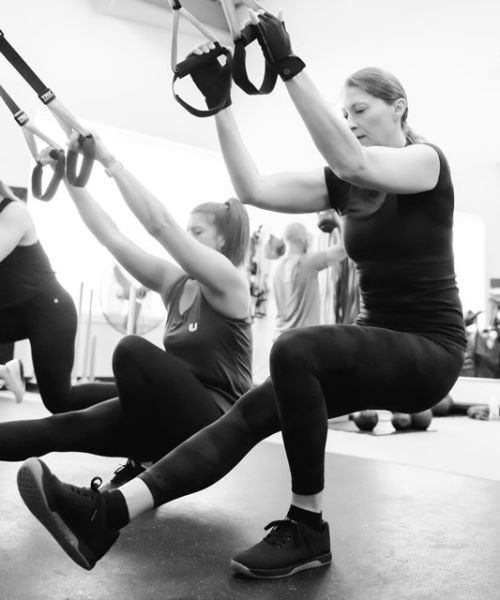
(100, 429)
(92, 520)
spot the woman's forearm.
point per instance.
(328, 128)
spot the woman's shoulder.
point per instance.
(16, 207)
(435, 147)
(15, 211)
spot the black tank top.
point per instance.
(25, 272)
(404, 256)
(217, 349)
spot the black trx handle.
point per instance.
(30, 133)
(197, 61)
(240, 76)
(190, 64)
(57, 175)
(87, 147)
(63, 116)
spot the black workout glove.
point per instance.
(213, 81)
(275, 43)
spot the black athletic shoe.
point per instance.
(290, 547)
(123, 474)
(75, 516)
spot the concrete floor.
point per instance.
(399, 532)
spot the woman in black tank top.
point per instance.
(403, 354)
(164, 395)
(34, 306)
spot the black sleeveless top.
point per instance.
(217, 349)
(25, 272)
(404, 256)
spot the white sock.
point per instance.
(137, 496)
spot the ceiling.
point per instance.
(158, 12)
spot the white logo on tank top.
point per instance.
(192, 327)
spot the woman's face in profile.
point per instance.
(371, 119)
(201, 226)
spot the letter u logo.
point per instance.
(192, 327)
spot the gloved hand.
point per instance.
(211, 78)
(276, 46)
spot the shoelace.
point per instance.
(130, 465)
(282, 531)
(95, 484)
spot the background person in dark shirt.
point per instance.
(396, 198)
(34, 306)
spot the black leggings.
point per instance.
(160, 404)
(317, 373)
(48, 321)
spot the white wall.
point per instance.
(113, 71)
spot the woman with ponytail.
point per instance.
(164, 395)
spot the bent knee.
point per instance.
(289, 351)
(127, 349)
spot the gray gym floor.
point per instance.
(399, 532)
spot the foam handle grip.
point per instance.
(195, 61)
(37, 176)
(87, 148)
(248, 34)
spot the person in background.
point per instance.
(295, 279)
(35, 306)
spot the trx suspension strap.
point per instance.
(30, 134)
(241, 40)
(195, 61)
(67, 121)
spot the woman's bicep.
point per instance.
(410, 170)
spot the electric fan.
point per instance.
(128, 306)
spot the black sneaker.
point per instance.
(290, 547)
(124, 473)
(75, 516)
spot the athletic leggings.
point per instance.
(48, 320)
(317, 373)
(160, 404)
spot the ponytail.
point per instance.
(411, 136)
(231, 221)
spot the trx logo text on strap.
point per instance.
(192, 327)
(47, 96)
(21, 117)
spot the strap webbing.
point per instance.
(45, 94)
(240, 76)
